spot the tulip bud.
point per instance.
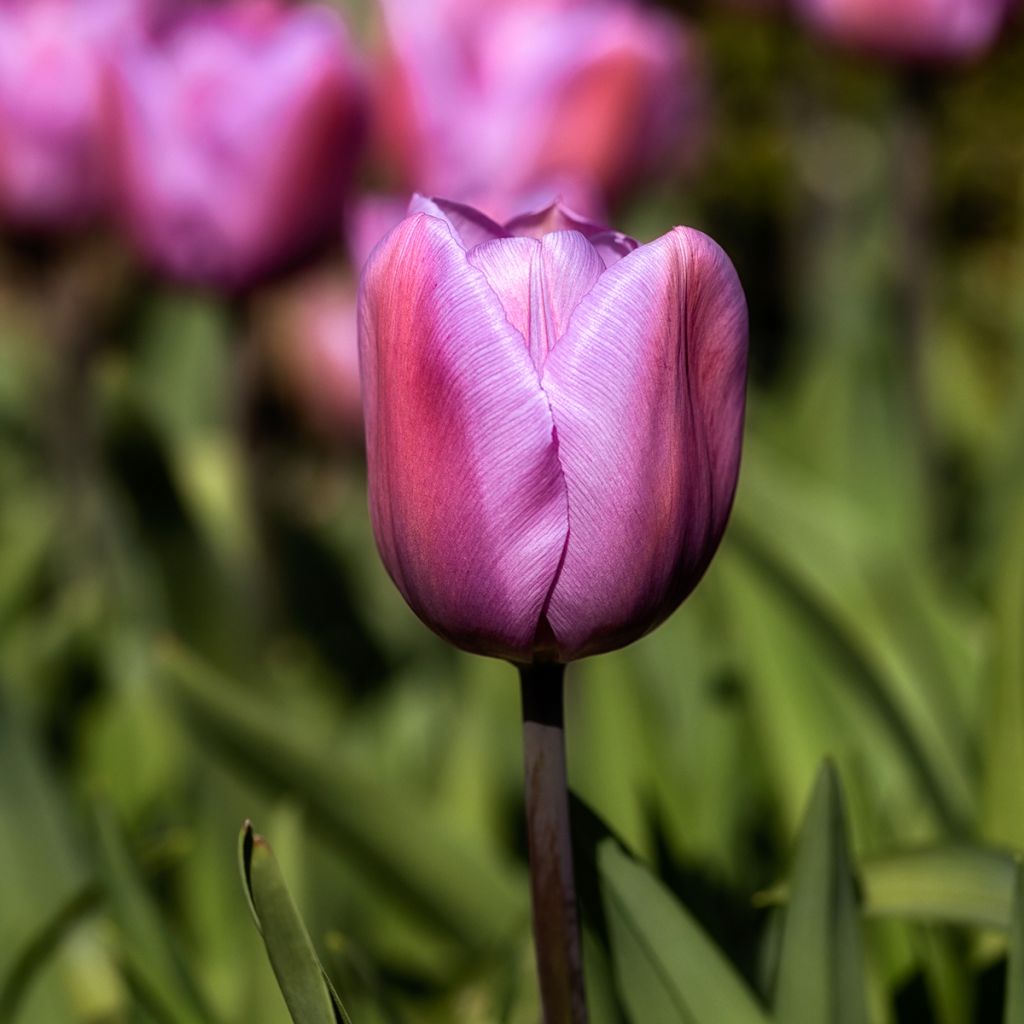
(553, 422)
(235, 135)
(314, 353)
(486, 101)
(929, 31)
(53, 172)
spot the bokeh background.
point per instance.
(195, 628)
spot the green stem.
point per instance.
(556, 930)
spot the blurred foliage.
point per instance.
(195, 630)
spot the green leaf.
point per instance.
(42, 947)
(151, 960)
(821, 962)
(44, 873)
(308, 993)
(667, 970)
(959, 884)
(1014, 1012)
(1003, 750)
(902, 648)
(447, 880)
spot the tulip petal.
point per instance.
(611, 245)
(539, 282)
(469, 226)
(647, 391)
(467, 497)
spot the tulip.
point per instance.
(553, 420)
(53, 172)
(314, 353)
(528, 100)
(235, 134)
(930, 31)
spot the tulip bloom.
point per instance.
(235, 134)
(314, 351)
(53, 172)
(487, 102)
(553, 420)
(911, 30)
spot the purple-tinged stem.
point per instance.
(556, 929)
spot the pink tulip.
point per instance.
(553, 420)
(235, 135)
(53, 172)
(311, 330)
(911, 30)
(526, 100)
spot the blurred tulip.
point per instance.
(235, 134)
(553, 421)
(314, 351)
(526, 100)
(53, 172)
(369, 220)
(910, 30)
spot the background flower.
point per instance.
(53, 162)
(920, 30)
(235, 134)
(504, 105)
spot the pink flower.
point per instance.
(315, 352)
(235, 134)
(553, 420)
(53, 172)
(911, 30)
(488, 102)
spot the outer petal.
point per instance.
(647, 389)
(466, 493)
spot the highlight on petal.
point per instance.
(539, 283)
(466, 492)
(647, 392)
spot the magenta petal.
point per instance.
(469, 226)
(466, 493)
(539, 283)
(611, 245)
(647, 391)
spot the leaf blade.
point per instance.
(307, 992)
(668, 971)
(821, 965)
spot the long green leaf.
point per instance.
(453, 885)
(1014, 1012)
(907, 666)
(959, 884)
(821, 962)
(150, 955)
(308, 994)
(667, 970)
(1003, 791)
(43, 875)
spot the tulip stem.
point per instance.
(556, 930)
